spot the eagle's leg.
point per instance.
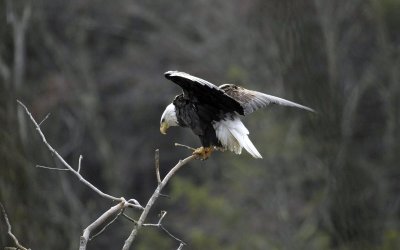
(203, 152)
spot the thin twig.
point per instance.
(165, 196)
(16, 242)
(79, 163)
(129, 218)
(171, 235)
(113, 210)
(99, 221)
(165, 230)
(180, 246)
(60, 158)
(181, 145)
(159, 225)
(109, 223)
(152, 200)
(59, 169)
(163, 214)
(157, 163)
(44, 119)
(122, 202)
(134, 203)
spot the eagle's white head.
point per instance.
(168, 118)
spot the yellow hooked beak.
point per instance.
(163, 128)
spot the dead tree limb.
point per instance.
(16, 242)
(160, 225)
(153, 199)
(100, 221)
(157, 163)
(119, 208)
(135, 203)
(109, 213)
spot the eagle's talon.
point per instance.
(203, 153)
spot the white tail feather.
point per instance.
(233, 135)
(245, 142)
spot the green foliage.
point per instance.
(199, 199)
(391, 240)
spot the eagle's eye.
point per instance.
(163, 120)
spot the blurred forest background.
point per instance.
(327, 181)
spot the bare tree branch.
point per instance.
(16, 242)
(44, 119)
(159, 225)
(76, 173)
(129, 218)
(162, 215)
(105, 227)
(117, 209)
(157, 162)
(181, 145)
(152, 200)
(50, 168)
(79, 163)
(134, 203)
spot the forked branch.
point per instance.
(106, 215)
(68, 167)
(153, 199)
(118, 209)
(160, 225)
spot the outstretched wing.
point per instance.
(195, 88)
(252, 100)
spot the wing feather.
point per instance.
(185, 80)
(253, 100)
(195, 88)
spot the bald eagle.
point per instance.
(213, 113)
